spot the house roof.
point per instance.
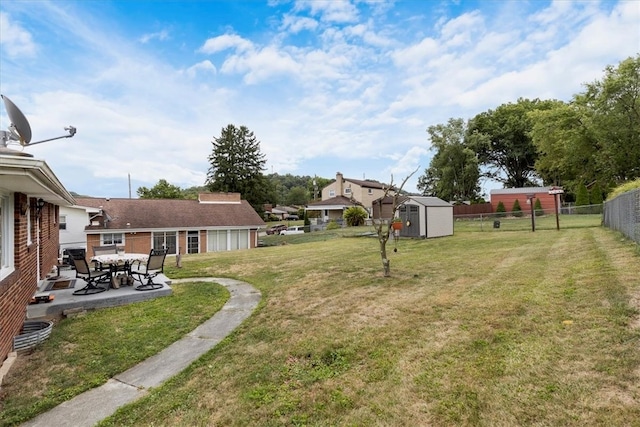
(137, 214)
(24, 174)
(520, 190)
(335, 201)
(367, 183)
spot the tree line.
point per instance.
(592, 141)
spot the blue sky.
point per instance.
(325, 86)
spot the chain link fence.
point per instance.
(623, 214)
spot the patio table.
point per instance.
(120, 259)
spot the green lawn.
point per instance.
(486, 327)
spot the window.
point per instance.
(63, 222)
(332, 193)
(112, 239)
(193, 242)
(370, 191)
(347, 190)
(6, 235)
(165, 239)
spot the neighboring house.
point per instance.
(73, 220)
(364, 192)
(282, 212)
(333, 208)
(215, 222)
(421, 216)
(30, 197)
(509, 195)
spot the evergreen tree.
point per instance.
(582, 195)
(500, 209)
(237, 165)
(538, 208)
(516, 210)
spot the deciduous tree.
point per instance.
(501, 138)
(453, 173)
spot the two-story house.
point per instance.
(346, 192)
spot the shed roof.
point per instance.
(429, 201)
(122, 213)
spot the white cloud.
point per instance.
(224, 42)
(15, 40)
(201, 67)
(337, 11)
(296, 24)
(160, 35)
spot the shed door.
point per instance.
(410, 215)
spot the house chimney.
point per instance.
(339, 184)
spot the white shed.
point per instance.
(426, 217)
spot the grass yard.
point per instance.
(495, 328)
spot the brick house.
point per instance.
(509, 195)
(215, 222)
(30, 197)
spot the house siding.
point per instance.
(546, 201)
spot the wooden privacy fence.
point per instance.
(472, 210)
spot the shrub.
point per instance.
(333, 225)
(516, 210)
(538, 208)
(355, 216)
(582, 195)
(500, 210)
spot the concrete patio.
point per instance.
(65, 303)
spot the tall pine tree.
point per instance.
(236, 166)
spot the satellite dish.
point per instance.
(20, 130)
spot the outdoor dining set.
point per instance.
(110, 267)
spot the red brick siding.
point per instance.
(17, 289)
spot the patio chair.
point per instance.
(70, 252)
(153, 267)
(92, 277)
(103, 250)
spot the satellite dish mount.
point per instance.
(20, 130)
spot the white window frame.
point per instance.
(347, 190)
(7, 262)
(62, 222)
(332, 193)
(113, 240)
(29, 219)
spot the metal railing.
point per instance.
(623, 214)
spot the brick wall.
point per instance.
(17, 289)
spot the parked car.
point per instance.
(296, 229)
(276, 229)
(292, 217)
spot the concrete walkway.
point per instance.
(94, 405)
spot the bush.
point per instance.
(538, 208)
(582, 195)
(500, 210)
(355, 216)
(516, 210)
(333, 225)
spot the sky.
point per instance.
(325, 86)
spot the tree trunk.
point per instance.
(386, 264)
